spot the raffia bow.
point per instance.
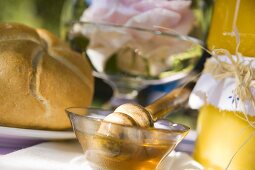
(243, 73)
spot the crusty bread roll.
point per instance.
(40, 76)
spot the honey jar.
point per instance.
(225, 93)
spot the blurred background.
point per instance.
(48, 13)
(53, 16)
(35, 13)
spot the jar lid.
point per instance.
(227, 83)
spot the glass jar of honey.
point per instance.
(223, 22)
(226, 141)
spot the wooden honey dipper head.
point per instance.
(128, 114)
(136, 115)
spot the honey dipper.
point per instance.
(136, 115)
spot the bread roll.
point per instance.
(40, 76)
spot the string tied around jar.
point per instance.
(241, 70)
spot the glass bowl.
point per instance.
(131, 58)
(123, 147)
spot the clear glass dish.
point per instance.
(131, 58)
(123, 147)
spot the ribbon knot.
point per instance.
(241, 70)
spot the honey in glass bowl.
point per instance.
(135, 156)
(134, 148)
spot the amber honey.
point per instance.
(221, 133)
(117, 154)
(223, 23)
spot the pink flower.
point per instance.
(174, 14)
(156, 50)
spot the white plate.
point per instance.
(187, 144)
(179, 161)
(19, 138)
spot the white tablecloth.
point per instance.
(68, 156)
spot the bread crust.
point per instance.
(40, 76)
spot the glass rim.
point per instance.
(144, 81)
(171, 32)
(184, 129)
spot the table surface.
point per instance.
(68, 155)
